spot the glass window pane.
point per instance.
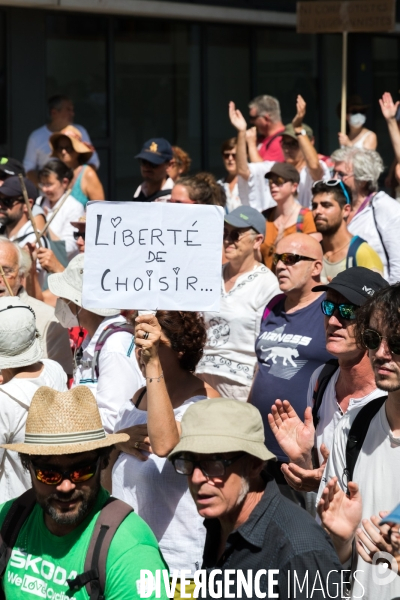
(385, 69)
(228, 78)
(76, 67)
(157, 93)
(287, 66)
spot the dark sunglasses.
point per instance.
(346, 311)
(235, 235)
(334, 183)
(290, 259)
(341, 174)
(289, 143)
(228, 154)
(372, 340)
(9, 202)
(79, 234)
(277, 180)
(78, 475)
(209, 467)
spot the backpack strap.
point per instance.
(271, 304)
(357, 434)
(19, 511)
(355, 243)
(273, 137)
(103, 337)
(94, 576)
(300, 219)
(321, 384)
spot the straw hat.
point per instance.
(20, 342)
(222, 425)
(68, 285)
(81, 222)
(64, 423)
(75, 136)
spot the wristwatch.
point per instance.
(301, 132)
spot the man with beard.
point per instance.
(375, 485)
(14, 219)
(331, 206)
(65, 451)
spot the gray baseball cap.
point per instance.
(245, 216)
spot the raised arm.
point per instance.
(389, 109)
(239, 122)
(251, 139)
(294, 437)
(306, 145)
(162, 428)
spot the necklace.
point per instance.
(329, 254)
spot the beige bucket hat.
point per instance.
(222, 425)
(75, 137)
(64, 423)
(68, 285)
(20, 342)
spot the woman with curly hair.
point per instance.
(168, 347)
(201, 188)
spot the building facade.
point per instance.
(142, 68)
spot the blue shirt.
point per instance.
(289, 348)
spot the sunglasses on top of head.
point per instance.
(346, 311)
(335, 183)
(372, 341)
(50, 476)
(290, 259)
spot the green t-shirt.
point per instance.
(41, 562)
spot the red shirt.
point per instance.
(274, 150)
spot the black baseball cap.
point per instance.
(12, 188)
(285, 170)
(10, 166)
(357, 284)
(245, 216)
(156, 150)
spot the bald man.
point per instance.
(291, 344)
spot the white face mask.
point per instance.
(65, 315)
(357, 120)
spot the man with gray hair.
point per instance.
(256, 539)
(16, 264)
(374, 216)
(265, 115)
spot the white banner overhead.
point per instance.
(152, 256)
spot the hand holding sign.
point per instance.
(147, 337)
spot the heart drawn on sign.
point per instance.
(149, 273)
(176, 269)
(115, 222)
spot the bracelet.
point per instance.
(158, 379)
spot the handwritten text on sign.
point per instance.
(152, 255)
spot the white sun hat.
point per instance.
(20, 342)
(68, 285)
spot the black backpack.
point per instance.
(94, 576)
(361, 423)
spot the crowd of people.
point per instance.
(257, 444)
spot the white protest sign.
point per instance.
(153, 255)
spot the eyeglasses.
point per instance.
(79, 234)
(372, 340)
(235, 235)
(289, 143)
(77, 475)
(342, 175)
(209, 467)
(277, 180)
(346, 311)
(334, 183)
(9, 202)
(69, 148)
(290, 259)
(228, 154)
(9, 272)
